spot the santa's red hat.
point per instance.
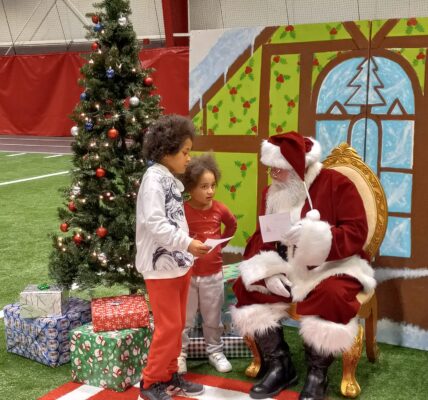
(290, 151)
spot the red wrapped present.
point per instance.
(119, 312)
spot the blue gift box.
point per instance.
(45, 340)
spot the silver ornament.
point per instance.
(75, 190)
(122, 21)
(134, 101)
(74, 131)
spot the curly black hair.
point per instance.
(196, 167)
(166, 136)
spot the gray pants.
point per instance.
(206, 293)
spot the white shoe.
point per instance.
(220, 362)
(182, 365)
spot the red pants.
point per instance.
(168, 299)
(333, 299)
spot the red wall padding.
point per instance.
(38, 92)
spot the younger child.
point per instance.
(205, 216)
(165, 254)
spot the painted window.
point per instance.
(369, 103)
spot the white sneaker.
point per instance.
(220, 362)
(182, 365)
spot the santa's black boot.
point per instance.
(280, 372)
(316, 383)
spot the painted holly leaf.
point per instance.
(279, 128)
(238, 216)
(246, 235)
(232, 189)
(278, 60)
(253, 129)
(419, 27)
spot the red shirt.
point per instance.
(204, 224)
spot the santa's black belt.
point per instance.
(281, 250)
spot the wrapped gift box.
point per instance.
(44, 340)
(119, 312)
(42, 301)
(112, 360)
(234, 346)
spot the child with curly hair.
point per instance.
(205, 217)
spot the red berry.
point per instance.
(101, 232)
(248, 70)
(247, 104)
(412, 22)
(280, 78)
(210, 132)
(279, 129)
(254, 128)
(289, 28)
(232, 189)
(100, 172)
(233, 120)
(215, 109)
(233, 91)
(420, 56)
(72, 206)
(243, 167)
(64, 227)
(291, 104)
(333, 31)
(113, 133)
(276, 59)
(94, 46)
(315, 62)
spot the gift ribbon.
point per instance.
(43, 286)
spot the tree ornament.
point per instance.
(75, 190)
(148, 81)
(77, 238)
(101, 232)
(100, 172)
(146, 41)
(113, 133)
(95, 19)
(110, 73)
(134, 101)
(64, 227)
(122, 21)
(72, 206)
(98, 27)
(102, 258)
(95, 46)
(74, 131)
(89, 125)
(84, 96)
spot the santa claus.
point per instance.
(319, 264)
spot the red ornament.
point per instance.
(95, 19)
(95, 46)
(113, 133)
(148, 81)
(146, 41)
(77, 238)
(72, 206)
(101, 232)
(64, 227)
(100, 172)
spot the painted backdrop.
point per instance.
(361, 82)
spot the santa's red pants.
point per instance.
(334, 299)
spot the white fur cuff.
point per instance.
(258, 318)
(328, 337)
(261, 266)
(314, 243)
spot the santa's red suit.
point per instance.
(327, 266)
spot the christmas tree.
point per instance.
(97, 243)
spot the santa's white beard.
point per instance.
(283, 196)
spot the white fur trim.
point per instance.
(312, 172)
(272, 157)
(305, 280)
(258, 318)
(328, 337)
(262, 265)
(314, 243)
(315, 154)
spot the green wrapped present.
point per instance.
(112, 359)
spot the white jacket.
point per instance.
(162, 234)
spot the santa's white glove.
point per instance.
(293, 235)
(276, 284)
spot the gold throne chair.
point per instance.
(347, 161)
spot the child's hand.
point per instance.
(197, 248)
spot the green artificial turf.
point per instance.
(28, 215)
